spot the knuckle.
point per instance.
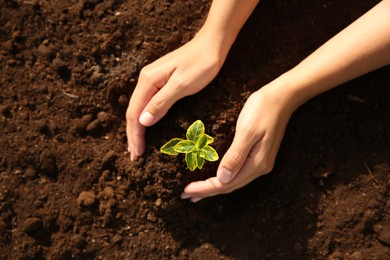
(178, 82)
(251, 131)
(221, 189)
(266, 167)
(234, 159)
(218, 188)
(224, 189)
(156, 104)
(146, 72)
(129, 115)
(228, 188)
(181, 83)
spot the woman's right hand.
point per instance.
(180, 73)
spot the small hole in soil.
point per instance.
(64, 73)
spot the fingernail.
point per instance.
(225, 175)
(195, 200)
(146, 118)
(184, 196)
(133, 155)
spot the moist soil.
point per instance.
(68, 188)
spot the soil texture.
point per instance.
(68, 188)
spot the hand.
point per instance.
(259, 132)
(180, 73)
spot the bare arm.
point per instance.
(360, 48)
(225, 20)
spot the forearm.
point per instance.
(360, 48)
(224, 21)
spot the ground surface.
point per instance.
(68, 189)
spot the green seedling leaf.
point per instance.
(209, 139)
(195, 131)
(191, 160)
(168, 148)
(196, 147)
(209, 153)
(185, 146)
(204, 140)
(200, 161)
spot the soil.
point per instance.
(68, 188)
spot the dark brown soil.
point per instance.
(69, 190)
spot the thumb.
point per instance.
(234, 159)
(159, 104)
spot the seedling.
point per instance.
(196, 147)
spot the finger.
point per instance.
(134, 130)
(135, 136)
(196, 199)
(147, 86)
(212, 186)
(235, 156)
(162, 101)
(193, 199)
(252, 169)
(202, 189)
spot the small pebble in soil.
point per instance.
(30, 173)
(158, 202)
(151, 217)
(107, 193)
(79, 125)
(101, 8)
(105, 118)
(94, 127)
(383, 232)
(78, 241)
(47, 50)
(357, 255)
(116, 239)
(109, 157)
(86, 198)
(123, 100)
(32, 225)
(48, 163)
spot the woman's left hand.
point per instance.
(259, 132)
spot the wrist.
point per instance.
(281, 91)
(295, 89)
(218, 43)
